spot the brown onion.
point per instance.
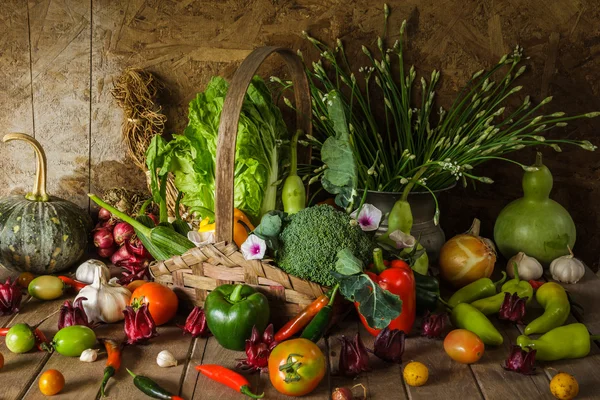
(467, 257)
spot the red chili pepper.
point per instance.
(3, 331)
(76, 285)
(296, 324)
(229, 378)
(113, 363)
(536, 284)
(399, 280)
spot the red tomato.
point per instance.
(463, 346)
(24, 279)
(162, 301)
(296, 367)
(51, 382)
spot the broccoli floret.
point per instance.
(312, 238)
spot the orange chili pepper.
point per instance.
(241, 227)
(113, 363)
(296, 324)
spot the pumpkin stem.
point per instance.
(39, 186)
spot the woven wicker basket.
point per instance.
(200, 270)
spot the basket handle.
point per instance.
(230, 116)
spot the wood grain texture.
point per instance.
(17, 165)
(60, 55)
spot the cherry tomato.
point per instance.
(51, 382)
(71, 341)
(162, 301)
(24, 279)
(135, 284)
(20, 338)
(46, 287)
(463, 346)
(296, 367)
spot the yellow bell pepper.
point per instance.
(241, 227)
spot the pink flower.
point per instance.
(368, 218)
(254, 248)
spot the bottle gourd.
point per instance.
(535, 224)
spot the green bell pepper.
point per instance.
(231, 312)
(465, 316)
(569, 341)
(492, 304)
(479, 289)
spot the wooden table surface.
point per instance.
(448, 379)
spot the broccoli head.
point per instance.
(312, 238)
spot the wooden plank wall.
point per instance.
(58, 60)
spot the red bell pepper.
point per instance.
(399, 280)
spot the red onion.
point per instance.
(104, 214)
(106, 253)
(103, 238)
(120, 255)
(122, 232)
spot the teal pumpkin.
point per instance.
(535, 224)
(39, 233)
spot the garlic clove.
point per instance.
(165, 359)
(529, 268)
(89, 355)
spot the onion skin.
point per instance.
(123, 232)
(106, 253)
(121, 255)
(466, 258)
(342, 393)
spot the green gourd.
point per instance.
(39, 233)
(535, 224)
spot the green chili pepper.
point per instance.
(467, 317)
(479, 289)
(555, 301)
(428, 292)
(569, 341)
(151, 388)
(491, 305)
(315, 330)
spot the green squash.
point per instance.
(535, 224)
(39, 233)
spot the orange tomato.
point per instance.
(24, 279)
(135, 284)
(162, 301)
(463, 346)
(51, 382)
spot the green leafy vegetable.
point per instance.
(191, 156)
(378, 306)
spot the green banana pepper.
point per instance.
(555, 301)
(569, 341)
(467, 317)
(492, 304)
(479, 289)
(428, 292)
(231, 312)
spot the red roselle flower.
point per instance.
(354, 357)
(10, 297)
(513, 308)
(139, 324)
(433, 325)
(195, 324)
(258, 350)
(73, 314)
(520, 361)
(389, 345)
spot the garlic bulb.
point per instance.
(105, 301)
(89, 355)
(529, 268)
(85, 272)
(567, 269)
(166, 359)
